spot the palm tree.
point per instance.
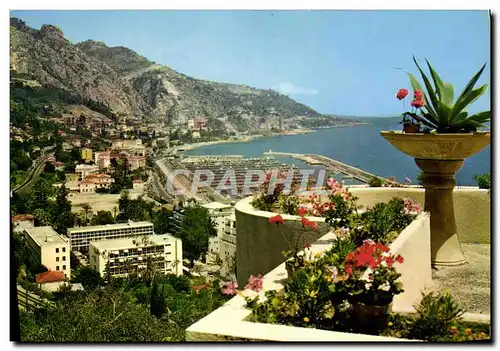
(87, 209)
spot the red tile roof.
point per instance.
(23, 217)
(49, 277)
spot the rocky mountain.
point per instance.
(46, 55)
(132, 85)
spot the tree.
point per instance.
(110, 315)
(62, 210)
(161, 220)
(74, 261)
(87, 210)
(196, 229)
(103, 217)
(89, 278)
(157, 300)
(42, 217)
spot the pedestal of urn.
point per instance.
(440, 156)
(439, 181)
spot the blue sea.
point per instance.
(359, 146)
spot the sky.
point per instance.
(337, 62)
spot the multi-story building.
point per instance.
(100, 180)
(137, 162)
(219, 212)
(50, 248)
(121, 256)
(227, 246)
(103, 159)
(87, 154)
(82, 236)
(85, 170)
(86, 186)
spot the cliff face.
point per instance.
(132, 85)
(52, 60)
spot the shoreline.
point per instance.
(249, 138)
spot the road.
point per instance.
(178, 183)
(35, 171)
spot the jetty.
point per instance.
(331, 165)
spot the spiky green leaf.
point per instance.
(430, 89)
(481, 117)
(447, 94)
(466, 100)
(436, 78)
(468, 88)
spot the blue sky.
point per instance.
(340, 62)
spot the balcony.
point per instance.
(260, 248)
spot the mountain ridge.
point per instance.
(131, 85)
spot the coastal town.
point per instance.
(128, 224)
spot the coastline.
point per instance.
(245, 139)
(248, 138)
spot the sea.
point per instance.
(360, 146)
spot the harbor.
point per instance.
(331, 165)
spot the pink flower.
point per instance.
(254, 283)
(267, 176)
(229, 288)
(399, 259)
(276, 220)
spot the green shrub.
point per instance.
(375, 182)
(420, 178)
(483, 181)
(288, 204)
(437, 312)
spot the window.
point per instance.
(64, 267)
(57, 250)
(64, 250)
(57, 259)
(64, 258)
(57, 268)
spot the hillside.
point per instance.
(131, 85)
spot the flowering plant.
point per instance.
(417, 101)
(438, 110)
(372, 276)
(292, 254)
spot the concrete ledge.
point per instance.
(472, 207)
(259, 244)
(229, 321)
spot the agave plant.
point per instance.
(441, 112)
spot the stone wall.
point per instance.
(259, 244)
(472, 208)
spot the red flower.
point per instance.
(308, 223)
(402, 93)
(302, 211)
(390, 261)
(276, 220)
(417, 95)
(399, 259)
(417, 103)
(348, 269)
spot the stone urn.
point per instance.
(440, 156)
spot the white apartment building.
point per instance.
(50, 248)
(227, 246)
(164, 252)
(82, 236)
(84, 170)
(219, 213)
